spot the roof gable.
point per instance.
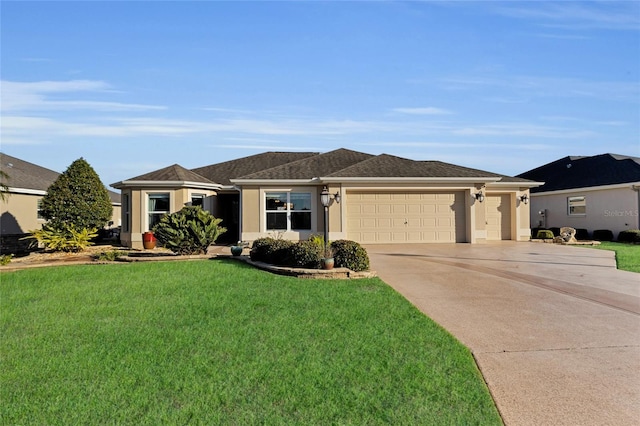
(583, 172)
(174, 173)
(314, 166)
(222, 172)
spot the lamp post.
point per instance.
(325, 199)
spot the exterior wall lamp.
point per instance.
(524, 198)
(478, 196)
(325, 197)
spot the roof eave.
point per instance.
(165, 184)
(26, 191)
(522, 184)
(466, 180)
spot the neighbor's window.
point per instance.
(158, 207)
(126, 212)
(39, 210)
(288, 211)
(576, 206)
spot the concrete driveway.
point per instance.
(554, 329)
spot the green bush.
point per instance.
(305, 254)
(629, 236)
(5, 259)
(77, 197)
(108, 256)
(582, 234)
(189, 231)
(603, 235)
(259, 249)
(64, 237)
(544, 234)
(349, 254)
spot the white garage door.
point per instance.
(498, 217)
(400, 217)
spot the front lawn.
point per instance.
(627, 255)
(217, 342)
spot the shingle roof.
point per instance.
(582, 172)
(222, 172)
(174, 173)
(314, 166)
(25, 175)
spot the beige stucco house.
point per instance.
(28, 183)
(375, 199)
(595, 192)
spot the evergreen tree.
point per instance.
(77, 198)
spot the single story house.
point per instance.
(596, 192)
(20, 211)
(374, 199)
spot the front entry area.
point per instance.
(402, 217)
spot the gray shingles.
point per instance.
(222, 172)
(174, 173)
(315, 166)
(581, 172)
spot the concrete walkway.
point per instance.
(554, 329)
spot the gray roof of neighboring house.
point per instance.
(174, 173)
(314, 166)
(222, 172)
(583, 172)
(25, 175)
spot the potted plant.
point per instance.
(327, 260)
(236, 250)
(148, 240)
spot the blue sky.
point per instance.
(499, 86)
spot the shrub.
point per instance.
(77, 197)
(108, 256)
(582, 234)
(64, 238)
(305, 254)
(603, 235)
(189, 231)
(629, 236)
(5, 259)
(349, 254)
(544, 234)
(259, 249)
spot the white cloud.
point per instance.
(423, 111)
(37, 96)
(522, 129)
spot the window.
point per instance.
(197, 200)
(39, 210)
(158, 206)
(576, 206)
(288, 211)
(126, 212)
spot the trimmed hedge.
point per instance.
(582, 234)
(603, 235)
(308, 254)
(629, 236)
(349, 254)
(544, 234)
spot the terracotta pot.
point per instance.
(327, 263)
(148, 240)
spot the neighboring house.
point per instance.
(597, 192)
(382, 199)
(28, 183)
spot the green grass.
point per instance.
(627, 255)
(216, 342)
